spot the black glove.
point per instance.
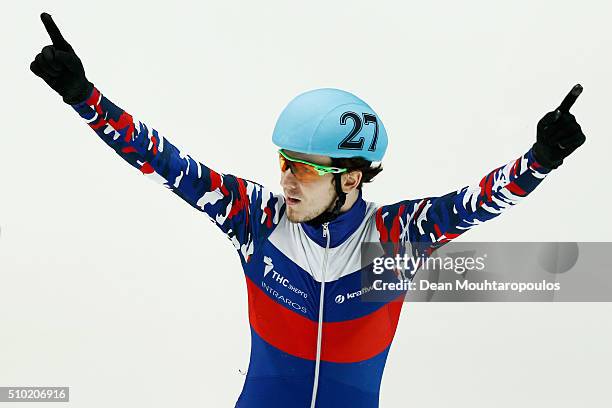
(558, 133)
(59, 66)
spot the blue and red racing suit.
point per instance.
(301, 357)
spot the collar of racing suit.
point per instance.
(341, 227)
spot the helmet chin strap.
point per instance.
(328, 216)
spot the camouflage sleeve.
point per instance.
(244, 210)
(434, 221)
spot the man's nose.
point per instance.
(288, 179)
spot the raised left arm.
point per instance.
(434, 221)
(438, 220)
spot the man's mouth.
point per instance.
(292, 200)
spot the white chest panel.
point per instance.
(292, 241)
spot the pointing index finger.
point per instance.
(570, 98)
(56, 36)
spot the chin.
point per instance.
(295, 216)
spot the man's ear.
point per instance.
(350, 180)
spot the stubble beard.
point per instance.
(293, 217)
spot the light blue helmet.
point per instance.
(331, 122)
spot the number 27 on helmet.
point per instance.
(329, 122)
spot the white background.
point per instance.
(111, 285)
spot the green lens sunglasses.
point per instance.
(307, 167)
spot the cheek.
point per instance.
(323, 190)
(318, 191)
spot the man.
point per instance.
(313, 342)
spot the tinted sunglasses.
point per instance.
(303, 170)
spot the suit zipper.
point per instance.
(320, 325)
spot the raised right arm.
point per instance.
(244, 210)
